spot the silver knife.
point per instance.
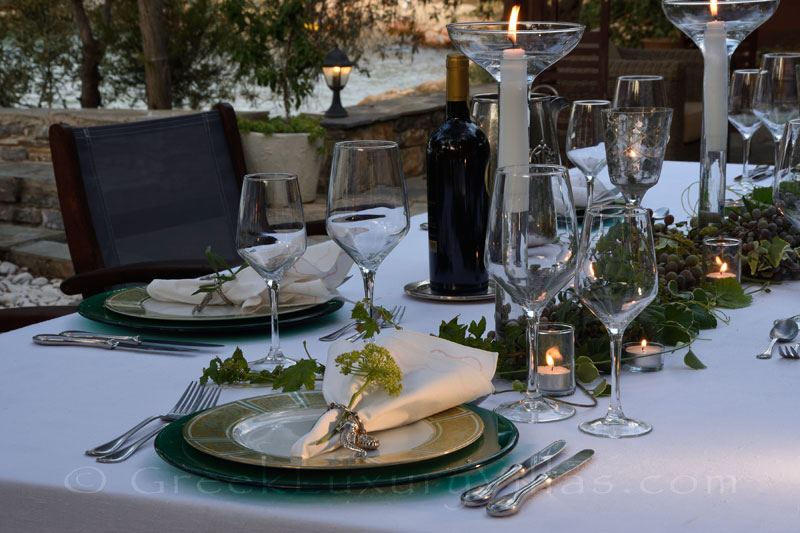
(511, 503)
(483, 493)
(135, 339)
(108, 344)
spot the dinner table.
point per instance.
(724, 453)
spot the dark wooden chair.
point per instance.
(143, 199)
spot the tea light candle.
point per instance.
(552, 377)
(723, 271)
(648, 356)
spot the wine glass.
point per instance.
(640, 91)
(585, 140)
(271, 237)
(776, 100)
(786, 188)
(367, 212)
(741, 115)
(616, 279)
(636, 142)
(531, 248)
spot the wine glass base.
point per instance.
(535, 411)
(270, 364)
(615, 428)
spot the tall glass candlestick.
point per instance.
(717, 27)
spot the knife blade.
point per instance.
(511, 503)
(481, 494)
(108, 344)
(135, 339)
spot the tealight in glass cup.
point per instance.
(722, 258)
(643, 356)
(556, 355)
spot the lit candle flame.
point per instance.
(644, 344)
(552, 355)
(550, 361)
(718, 260)
(713, 7)
(724, 267)
(512, 24)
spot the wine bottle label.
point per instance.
(433, 246)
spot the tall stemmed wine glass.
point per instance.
(367, 213)
(640, 91)
(740, 113)
(616, 279)
(786, 189)
(636, 142)
(271, 237)
(776, 101)
(531, 248)
(585, 140)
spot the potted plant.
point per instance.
(295, 145)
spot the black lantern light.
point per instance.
(336, 69)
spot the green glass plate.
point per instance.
(93, 308)
(499, 437)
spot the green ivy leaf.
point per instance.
(518, 386)
(776, 250)
(763, 195)
(702, 318)
(585, 370)
(691, 360)
(603, 389)
(477, 329)
(729, 294)
(299, 375)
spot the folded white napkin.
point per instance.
(311, 280)
(578, 182)
(437, 375)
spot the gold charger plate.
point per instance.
(261, 430)
(136, 302)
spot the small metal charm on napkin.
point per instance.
(197, 309)
(352, 434)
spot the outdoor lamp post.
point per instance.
(336, 69)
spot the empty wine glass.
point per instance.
(616, 279)
(531, 248)
(640, 91)
(740, 114)
(271, 237)
(636, 142)
(367, 212)
(585, 140)
(786, 188)
(776, 101)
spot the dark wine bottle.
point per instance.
(458, 196)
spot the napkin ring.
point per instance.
(352, 434)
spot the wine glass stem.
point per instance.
(275, 346)
(589, 191)
(369, 286)
(532, 392)
(615, 409)
(745, 159)
(777, 147)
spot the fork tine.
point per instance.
(400, 314)
(191, 400)
(211, 399)
(192, 385)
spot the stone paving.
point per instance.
(20, 288)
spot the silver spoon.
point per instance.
(783, 331)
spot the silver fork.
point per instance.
(202, 398)
(332, 336)
(112, 445)
(397, 315)
(790, 352)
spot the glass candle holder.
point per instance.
(722, 258)
(556, 356)
(643, 356)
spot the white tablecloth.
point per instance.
(724, 454)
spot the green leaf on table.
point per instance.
(703, 318)
(679, 313)
(519, 386)
(763, 195)
(776, 250)
(691, 360)
(478, 329)
(365, 323)
(602, 389)
(453, 331)
(731, 295)
(672, 287)
(752, 259)
(299, 375)
(585, 370)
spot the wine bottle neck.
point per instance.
(457, 109)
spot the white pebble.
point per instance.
(7, 268)
(8, 299)
(23, 277)
(39, 282)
